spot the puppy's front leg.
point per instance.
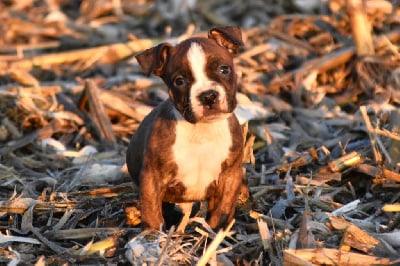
(151, 201)
(221, 206)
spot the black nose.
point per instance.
(208, 97)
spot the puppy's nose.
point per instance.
(208, 97)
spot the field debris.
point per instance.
(319, 99)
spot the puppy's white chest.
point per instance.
(199, 151)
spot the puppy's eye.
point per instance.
(179, 81)
(224, 70)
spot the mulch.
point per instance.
(319, 97)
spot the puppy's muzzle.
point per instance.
(208, 98)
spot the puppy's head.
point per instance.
(199, 73)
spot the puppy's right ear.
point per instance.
(153, 59)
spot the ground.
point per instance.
(318, 99)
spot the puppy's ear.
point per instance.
(153, 59)
(229, 37)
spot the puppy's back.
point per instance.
(140, 140)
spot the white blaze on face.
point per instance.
(198, 61)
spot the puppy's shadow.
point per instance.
(173, 215)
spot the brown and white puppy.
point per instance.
(190, 147)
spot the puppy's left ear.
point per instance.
(229, 37)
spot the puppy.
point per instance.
(190, 147)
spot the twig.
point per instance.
(112, 53)
(335, 58)
(270, 220)
(292, 40)
(211, 250)
(372, 136)
(83, 233)
(394, 144)
(164, 251)
(361, 27)
(99, 113)
(17, 48)
(390, 175)
(53, 246)
(391, 207)
(44, 132)
(383, 149)
(349, 160)
(386, 133)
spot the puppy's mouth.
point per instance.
(188, 113)
(207, 106)
(210, 117)
(214, 117)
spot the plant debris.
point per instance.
(319, 97)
